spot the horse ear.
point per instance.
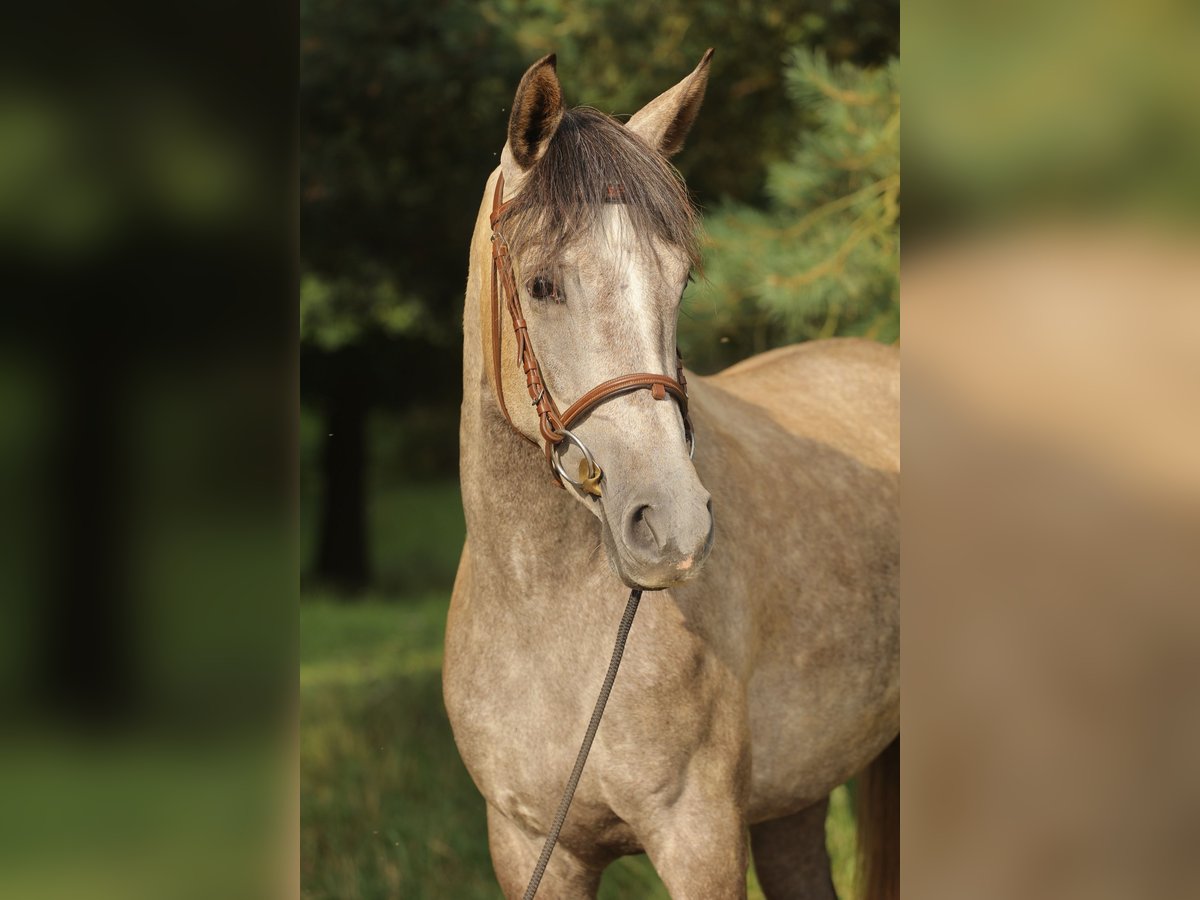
(665, 121)
(536, 112)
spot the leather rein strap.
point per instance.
(553, 424)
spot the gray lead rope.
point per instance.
(569, 793)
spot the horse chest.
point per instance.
(519, 706)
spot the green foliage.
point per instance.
(391, 164)
(335, 311)
(822, 258)
(618, 56)
(404, 108)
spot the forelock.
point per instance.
(592, 162)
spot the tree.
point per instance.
(390, 172)
(822, 258)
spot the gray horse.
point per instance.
(765, 671)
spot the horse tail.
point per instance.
(878, 815)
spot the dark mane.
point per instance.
(592, 159)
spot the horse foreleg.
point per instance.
(515, 853)
(790, 856)
(699, 848)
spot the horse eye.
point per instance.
(542, 288)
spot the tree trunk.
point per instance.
(342, 554)
(88, 653)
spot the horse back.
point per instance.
(843, 392)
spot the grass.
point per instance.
(388, 808)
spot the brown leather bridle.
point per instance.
(555, 425)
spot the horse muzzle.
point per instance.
(661, 540)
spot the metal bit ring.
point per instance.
(568, 436)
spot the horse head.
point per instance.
(595, 239)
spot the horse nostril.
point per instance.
(638, 529)
(670, 535)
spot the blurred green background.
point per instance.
(795, 164)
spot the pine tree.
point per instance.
(822, 258)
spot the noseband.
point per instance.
(554, 425)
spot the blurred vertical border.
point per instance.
(148, 406)
(1051, 298)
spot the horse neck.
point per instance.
(518, 521)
